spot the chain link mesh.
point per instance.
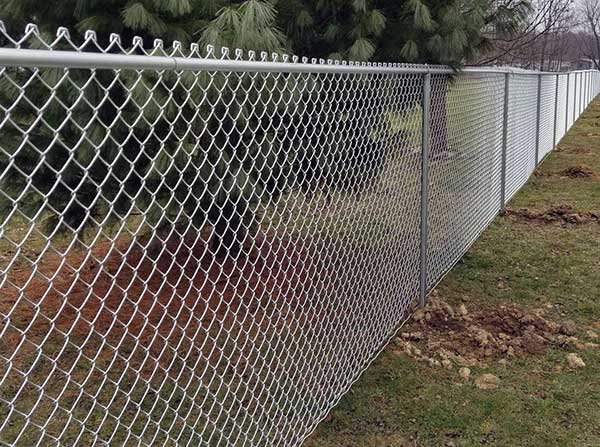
(213, 256)
(572, 99)
(466, 140)
(521, 140)
(561, 110)
(547, 109)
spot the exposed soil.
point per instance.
(540, 173)
(443, 335)
(160, 301)
(564, 214)
(579, 172)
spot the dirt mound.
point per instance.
(443, 335)
(580, 171)
(563, 214)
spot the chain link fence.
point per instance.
(209, 249)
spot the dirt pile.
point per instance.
(442, 335)
(562, 214)
(580, 171)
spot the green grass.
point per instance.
(402, 402)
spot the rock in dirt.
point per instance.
(448, 310)
(419, 315)
(533, 343)
(574, 218)
(434, 362)
(575, 361)
(487, 382)
(568, 328)
(481, 336)
(591, 335)
(413, 336)
(465, 373)
(462, 310)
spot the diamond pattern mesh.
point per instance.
(571, 106)
(205, 254)
(466, 141)
(561, 112)
(546, 130)
(521, 140)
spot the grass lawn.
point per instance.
(541, 262)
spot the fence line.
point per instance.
(210, 250)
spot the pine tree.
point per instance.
(332, 29)
(150, 19)
(210, 144)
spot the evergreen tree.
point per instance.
(150, 19)
(334, 29)
(178, 147)
(210, 144)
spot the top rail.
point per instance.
(88, 60)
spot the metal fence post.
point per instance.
(425, 141)
(589, 75)
(579, 96)
(555, 111)
(579, 91)
(586, 86)
(575, 99)
(537, 120)
(504, 142)
(582, 94)
(567, 104)
(584, 91)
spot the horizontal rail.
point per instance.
(88, 60)
(75, 59)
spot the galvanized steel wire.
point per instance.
(210, 249)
